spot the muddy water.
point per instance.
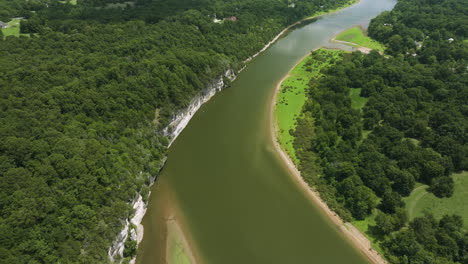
(225, 183)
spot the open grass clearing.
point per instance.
(13, 29)
(421, 201)
(293, 95)
(357, 101)
(357, 37)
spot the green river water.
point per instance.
(226, 185)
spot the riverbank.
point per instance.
(358, 239)
(182, 178)
(319, 14)
(293, 96)
(356, 37)
(179, 249)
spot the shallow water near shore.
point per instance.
(225, 184)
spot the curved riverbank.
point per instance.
(359, 240)
(176, 230)
(358, 39)
(238, 200)
(350, 3)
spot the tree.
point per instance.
(385, 223)
(390, 202)
(403, 182)
(431, 170)
(442, 186)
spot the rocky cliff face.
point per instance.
(182, 118)
(133, 229)
(136, 231)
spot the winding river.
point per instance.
(225, 184)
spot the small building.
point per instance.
(3, 24)
(450, 40)
(216, 20)
(418, 44)
(231, 18)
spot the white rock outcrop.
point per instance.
(176, 126)
(173, 130)
(117, 248)
(181, 119)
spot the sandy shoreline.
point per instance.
(358, 240)
(175, 235)
(178, 232)
(358, 47)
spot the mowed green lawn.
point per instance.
(357, 102)
(421, 201)
(13, 29)
(292, 95)
(358, 36)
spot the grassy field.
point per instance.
(421, 201)
(357, 102)
(357, 36)
(292, 95)
(13, 29)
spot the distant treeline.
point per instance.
(413, 128)
(82, 102)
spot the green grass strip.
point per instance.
(356, 35)
(293, 95)
(421, 201)
(13, 29)
(357, 102)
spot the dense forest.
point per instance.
(84, 99)
(411, 129)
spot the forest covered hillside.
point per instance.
(84, 98)
(408, 130)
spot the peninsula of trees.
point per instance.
(375, 126)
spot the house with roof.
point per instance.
(231, 18)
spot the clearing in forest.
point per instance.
(421, 201)
(13, 29)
